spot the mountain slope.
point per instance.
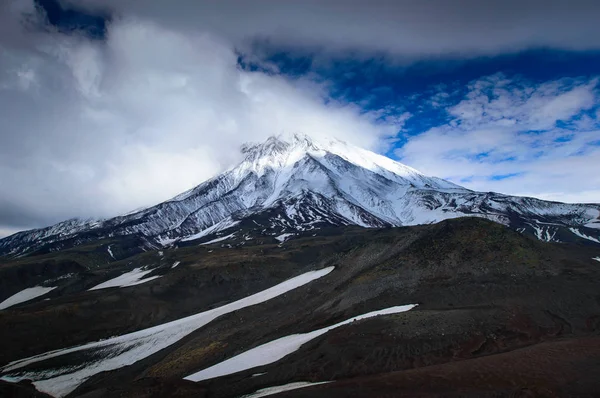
(287, 186)
(482, 291)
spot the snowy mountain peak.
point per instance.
(279, 147)
(279, 143)
(274, 153)
(283, 151)
(295, 183)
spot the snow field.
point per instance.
(25, 295)
(275, 350)
(263, 392)
(129, 348)
(131, 278)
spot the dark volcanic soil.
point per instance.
(557, 368)
(20, 390)
(499, 314)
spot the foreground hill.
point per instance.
(468, 305)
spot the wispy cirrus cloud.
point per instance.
(514, 136)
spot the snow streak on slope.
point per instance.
(584, 236)
(110, 252)
(222, 238)
(263, 392)
(131, 278)
(220, 226)
(595, 224)
(283, 237)
(25, 295)
(127, 349)
(275, 350)
(544, 232)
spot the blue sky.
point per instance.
(451, 100)
(72, 20)
(137, 101)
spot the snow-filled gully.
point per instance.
(275, 350)
(120, 351)
(286, 387)
(131, 278)
(25, 295)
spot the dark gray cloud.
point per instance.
(407, 28)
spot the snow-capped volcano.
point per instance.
(359, 186)
(288, 185)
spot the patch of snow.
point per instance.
(25, 295)
(220, 226)
(584, 236)
(129, 348)
(218, 239)
(165, 241)
(283, 237)
(275, 350)
(160, 253)
(594, 224)
(175, 264)
(259, 374)
(110, 252)
(263, 392)
(58, 278)
(538, 231)
(139, 282)
(544, 232)
(596, 258)
(133, 277)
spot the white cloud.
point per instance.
(497, 101)
(95, 129)
(504, 127)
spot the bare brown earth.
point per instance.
(499, 314)
(558, 368)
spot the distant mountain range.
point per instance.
(289, 186)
